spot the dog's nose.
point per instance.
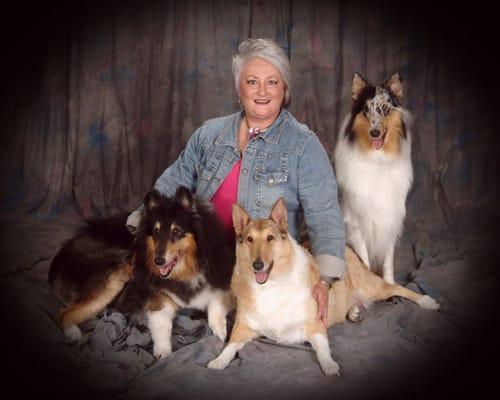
(159, 260)
(258, 265)
(375, 133)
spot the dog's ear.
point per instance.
(394, 85)
(184, 197)
(152, 200)
(240, 220)
(358, 84)
(279, 215)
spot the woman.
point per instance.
(262, 153)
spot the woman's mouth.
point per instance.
(262, 101)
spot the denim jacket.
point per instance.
(287, 160)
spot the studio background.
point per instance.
(98, 98)
(105, 96)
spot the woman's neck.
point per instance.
(259, 123)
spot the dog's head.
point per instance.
(377, 119)
(168, 229)
(262, 245)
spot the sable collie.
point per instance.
(176, 260)
(273, 280)
(374, 171)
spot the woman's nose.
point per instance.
(262, 89)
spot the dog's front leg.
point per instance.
(217, 311)
(160, 326)
(358, 243)
(316, 335)
(388, 265)
(240, 335)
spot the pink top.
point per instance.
(224, 197)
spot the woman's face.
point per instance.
(262, 91)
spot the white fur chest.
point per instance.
(282, 305)
(374, 185)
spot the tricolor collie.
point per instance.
(176, 260)
(374, 170)
(273, 280)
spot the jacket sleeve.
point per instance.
(318, 195)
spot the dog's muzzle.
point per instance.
(261, 274)
(258, 265)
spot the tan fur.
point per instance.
(242, 333)
(87, 308)
(360, 285)
(159, 302)
(187, 268)
(391, 125)
(259, 247)
(357, 85)
(361, 128)
(286, 311)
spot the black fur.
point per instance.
(86, 260)
(96, 250)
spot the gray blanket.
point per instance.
(397, 348)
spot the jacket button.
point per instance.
(245, 171)
(271, 180)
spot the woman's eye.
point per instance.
(251, 82)
(250, 239)
(273, 83)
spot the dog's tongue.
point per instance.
(165, 270)
(377, 143)
(261, 277)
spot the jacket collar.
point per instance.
(271, 135)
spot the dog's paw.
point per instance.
(354, 314)
(217, 363)
(73, 334)
(218, 327)
(428, 303)
(330, 367)
(161, 350)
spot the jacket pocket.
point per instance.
(270, 186)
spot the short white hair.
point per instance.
(269, 51)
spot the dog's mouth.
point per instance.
(169, 265)
(262, 276)
(378, 142)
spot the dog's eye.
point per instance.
(250, 239)
(156, 231)
(365, 109)
(270, 237)
(176, 232)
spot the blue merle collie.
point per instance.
(177, 259)
(374, 170)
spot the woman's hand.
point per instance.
(320, 294)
